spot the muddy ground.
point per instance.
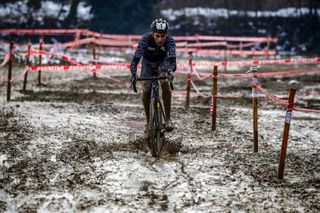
(75, 145)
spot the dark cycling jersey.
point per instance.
(148, 49)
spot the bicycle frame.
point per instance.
(157, 104)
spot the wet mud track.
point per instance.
(82, 151)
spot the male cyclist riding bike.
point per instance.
(158, 52)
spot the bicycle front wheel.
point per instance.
(156, 128)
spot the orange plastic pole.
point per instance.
(286, 134)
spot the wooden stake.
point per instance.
(27, 64)
(189, 78)
(286, 134)
(40, 61)
(214, 97)
(225, 55)
(255, 112)
(94, 58)
(9, 72)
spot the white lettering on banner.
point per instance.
(234, 63)
(288, 117)
(79, 68)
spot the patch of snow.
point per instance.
(84, 11)
(224, 13)
(19, 12)
(262, 31)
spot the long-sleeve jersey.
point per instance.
(148, 49)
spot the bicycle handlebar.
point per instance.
(151, 78)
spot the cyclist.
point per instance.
(158, 52)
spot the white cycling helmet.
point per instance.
(160, 26)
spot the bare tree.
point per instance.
(72, 16)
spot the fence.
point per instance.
(256, 86)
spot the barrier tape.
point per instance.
(224, 38)
(306, 110)
(126, 43)
(73, 43)
(223, 63)
(106, 76)
(205, 75)
(19, 76)
(203, 44)
(41, 31)
(266, 74)
(86, 32)
(198, 91)
(283, 103)
(127, 66)
(241, 45)
(228, 52)
(119, 49)
(100, 42)
(228, 97)
(78, 67)
(65, 57)
(5, 79)
(111, 36)
(268, 94)
(5, 60)
(199, 77)
(255, 62)
(186, 47)
(60, 56)
(271, 96)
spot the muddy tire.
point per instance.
(152, 128)
(156, 143)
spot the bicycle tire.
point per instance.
(156, 144)
(151, 127)
(159, 127)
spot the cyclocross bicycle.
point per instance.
(157, 116)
